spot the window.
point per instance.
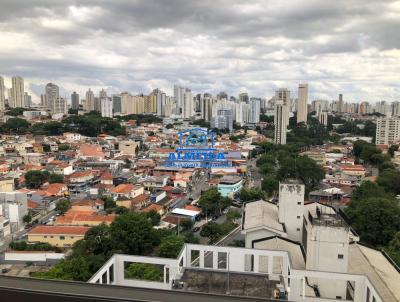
(298, 229)
(195, 258)
(72, 237)
(51, 236)
(340, 256)
(222, 260)
(208, 259)
(298, 217)
(339, 297)
(45, 236)
(299, 203)
(249, 263)
(62, 237)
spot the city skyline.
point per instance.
(341, 47)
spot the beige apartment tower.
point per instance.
(17, 92)
(302, 101)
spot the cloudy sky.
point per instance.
(342, 46)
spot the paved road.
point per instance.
(20, 234)
(255, 176)
(199, 184)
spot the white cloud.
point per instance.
(349, 47)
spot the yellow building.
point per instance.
(60, 236)
(6, 184)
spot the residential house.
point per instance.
(59, 236)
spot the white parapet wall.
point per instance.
(25, 256)
(275, 265)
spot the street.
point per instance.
(20, 234)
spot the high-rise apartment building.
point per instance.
(302, 101)
(254, 110)
(281, 121)
(75, 101)
(102, 94)
(283, 95)
(116, 103)
(340, 105)
(106, 107)
(27, 100)
(187, 106)
(59, 105)
(89, 104)
(323, 118)
(387, 130)
(52, 93)
(223, 120)
(2, 94)
(160, 100)
(179, 92)
(17, 92)
(244, 97)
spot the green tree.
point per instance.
(250, 194)
(390, 180)
(18, 111)
(133, 234)
(144, 271)
(169, 126)
(233, 214)
(211, 230)
(153, 217)
(35, 178)
(376, 219)
(109, 202)
(270, 185)
(186, 224)
(27, 218)
(15, 126)
(63, 205)
(393, 249)
(63, 147)
(303, 168)
(366, 190)
(121, 210)
(75, 269)
(56, 178)
(171, 246)
(212, 202)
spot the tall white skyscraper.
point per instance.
(106, 107)
(283, 94)
(18, 92)
(179, 93)
(302, 101)
(2, 94)
(160, 98)
(206, 108)
(52, 93)
(281, 121)
(89, 104)
(187, 106)
(254, 112)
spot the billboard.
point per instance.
(196, 150)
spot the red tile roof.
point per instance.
(58, 230)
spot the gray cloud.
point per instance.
(350, 47)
